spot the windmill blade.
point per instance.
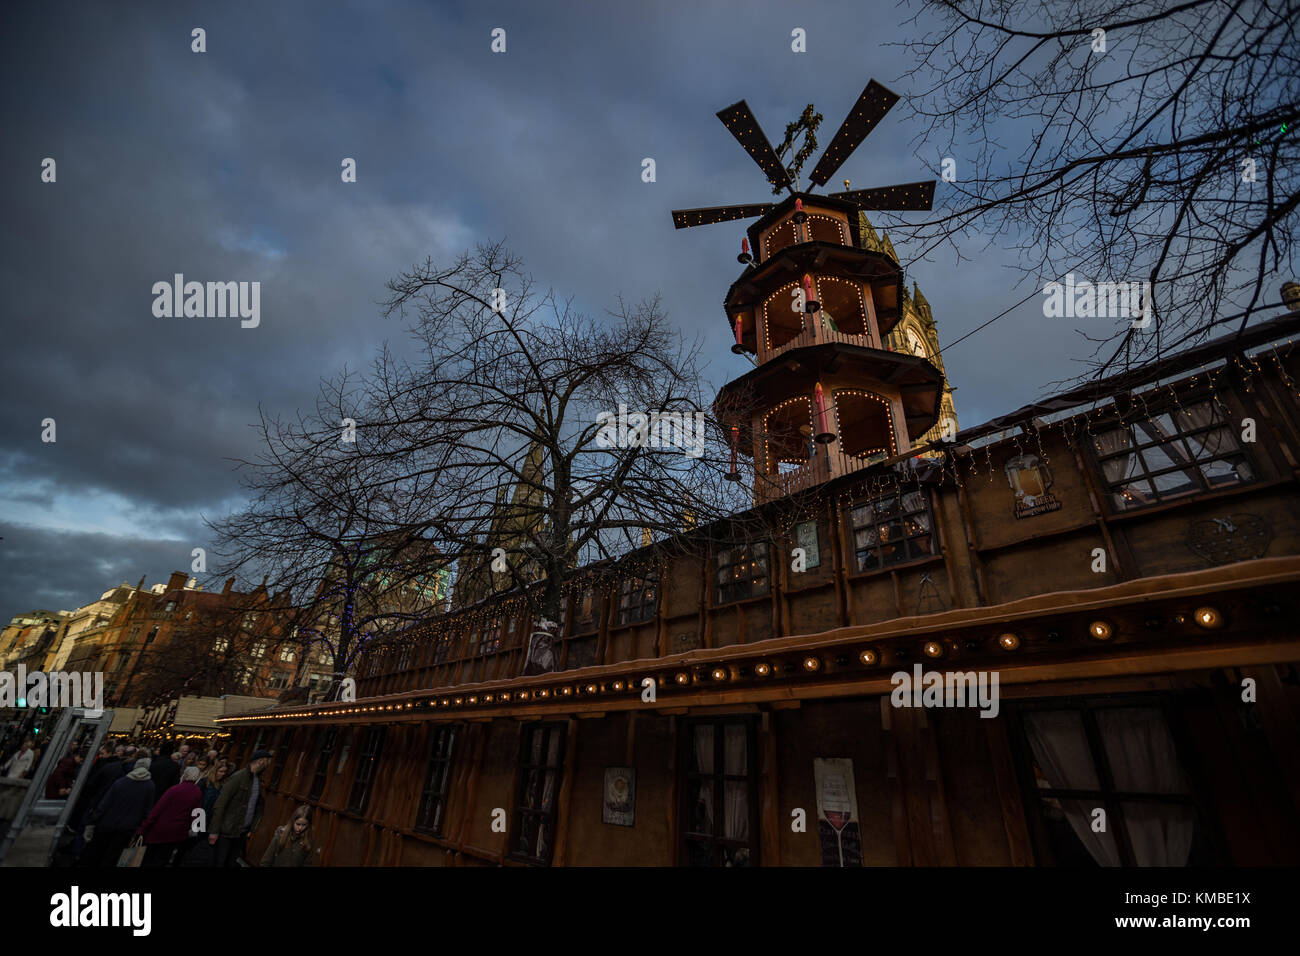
(686, 218)
(906, 196)
(741, 124)
(874, 102)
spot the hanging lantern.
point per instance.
(744, 258)
(734, 475)
(811, 305)
(739, 347)
(824, 434)
(799, 215)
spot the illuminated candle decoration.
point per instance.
(799, 215)
(739, 347)
(811, 305)
(734, 474)
(824, 435)
(744, 258)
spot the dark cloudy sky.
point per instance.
(225, 166)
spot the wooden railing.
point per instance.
(829, 462)
(815, 333)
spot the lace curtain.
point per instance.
(1142, 759)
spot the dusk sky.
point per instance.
(225, 166)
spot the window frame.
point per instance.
(725, 594)
(324, 754)
(523, 813)
(1128, 421)
(281, 751)
(752, 777)
(1108, 796)
(363, 777)
(628, 612)
(900, 518)
(434, 797)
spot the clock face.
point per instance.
(914, 344)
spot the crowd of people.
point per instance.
(182, 804)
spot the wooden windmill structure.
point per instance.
(813, 307)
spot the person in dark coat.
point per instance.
(118, 815)
(237, 811)
(291, 844)
(61, 780)
(169, 823)
(165, 771)
(106, 771)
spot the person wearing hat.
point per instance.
(237, 811)
(118, 815)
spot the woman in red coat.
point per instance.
(169, 823)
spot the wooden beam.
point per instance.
(837, 559)
(566, 794)
(769, 796)
(1013, 812)
(972, 539)
(1124, 564)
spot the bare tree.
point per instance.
(1144, 140)
(519, 439)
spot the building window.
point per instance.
(221, 645)
(1119, 756)
(258, 650)
(281, 756)
(492, 636)
(540, 756)
(1171, 455)
(741, 572)
(328, 743)
(433, 799)
(171, 606)
(286, 654)
(638, 596)
(367, 763)
(891, 530)
(720, 793)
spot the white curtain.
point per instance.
(1060, 748)
(704, 764)
(736, 757)
(1143, 759)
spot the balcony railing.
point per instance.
(828, 462)
(815, 333)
